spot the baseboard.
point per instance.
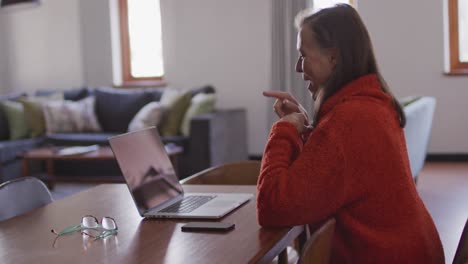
(451, 157)
(255, 157)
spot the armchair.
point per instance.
(419, 114)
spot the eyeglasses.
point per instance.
(108, 227)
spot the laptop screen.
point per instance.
(146, 167)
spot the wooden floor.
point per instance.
(443, 186)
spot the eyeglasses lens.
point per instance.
(89, 222)
(108, 223)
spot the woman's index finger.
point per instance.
(279, 95)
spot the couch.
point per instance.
(215, 138)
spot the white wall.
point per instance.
(43, 46)
(3, 62)
(409, 43)
(96, 42)
(224, 43)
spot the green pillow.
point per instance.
(201, 104)
(33, 110)
(170, 95)
(174, 115)
(14, 111)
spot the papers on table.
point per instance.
(77, 150)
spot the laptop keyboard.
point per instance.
(187, 204)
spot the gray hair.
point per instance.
(301, 16)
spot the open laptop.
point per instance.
(154, 185)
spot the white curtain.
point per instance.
(284, 54)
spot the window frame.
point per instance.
(127, 78)
(456, 66)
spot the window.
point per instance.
(141, 42)
(458, 36)
(319, 4)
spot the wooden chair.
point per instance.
(317, 249)
(236, 173)
(22, 195)
(461, 255)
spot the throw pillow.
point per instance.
(34, 113)
(76, 94)
(4, 130)
(176, 107)
(115, 108)
(70, 116)
(150, 115)
(170, 95)
(14, 112)
(201, 104)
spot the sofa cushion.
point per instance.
(9, 150)
(70, 116)
(17, 123)
(79, 139)
(176, 107)
(4, 129)
(33, 110)
(150, 115)
(12, 97)
(207, 89)
(73, 94)
(155, 93)
(116, 108)
(76, 94)
(201, 103)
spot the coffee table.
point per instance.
(49, 155)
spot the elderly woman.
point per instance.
(350, 162)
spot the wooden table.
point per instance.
(49, 155)
(27, 238)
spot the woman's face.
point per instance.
(316, 64)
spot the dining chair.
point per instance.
(461, 255)
(317, 249)
(21, 195)
(235, 173)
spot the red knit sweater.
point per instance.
(353, 167)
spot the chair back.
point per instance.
(317, 249)
(461, 255)
(419, 115)
(236, 173)
(21, 195)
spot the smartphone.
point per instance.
(207, 226)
